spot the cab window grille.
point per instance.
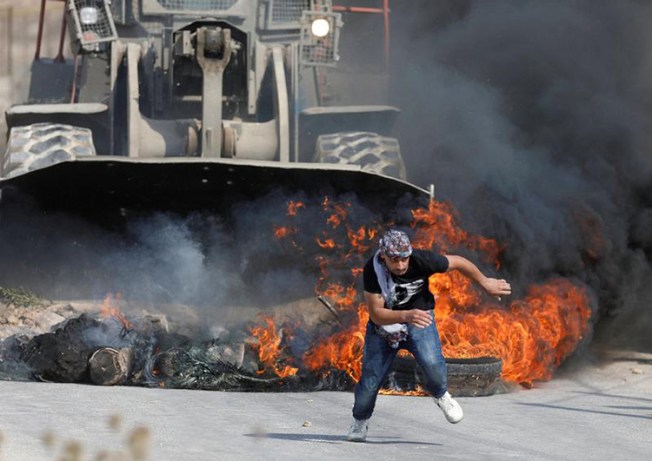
(288, 10)
(196, 5)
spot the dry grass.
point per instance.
(19, 297)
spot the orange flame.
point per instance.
(293, 207)
(288, 232)
(269, 350)
(436, 227)
(328, 243)
(343, 350)
(283, 231)
(110, 309)
(532, 335)
(337, 210)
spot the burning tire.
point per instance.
(374, 153)
(474, 377)
(41, 145)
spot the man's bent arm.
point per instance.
(382, 316)
(494, 287)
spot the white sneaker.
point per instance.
(358, 430)
(452, 410)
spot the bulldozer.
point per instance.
(181, 104)
(184, 105)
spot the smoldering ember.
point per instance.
(314, 343)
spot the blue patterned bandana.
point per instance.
(395, 243)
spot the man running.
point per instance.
(401, 316)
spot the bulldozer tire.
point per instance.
(41, 145)
(373, 152)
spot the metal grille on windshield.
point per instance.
(197, 5)
(288, 10)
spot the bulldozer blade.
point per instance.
(95, 186)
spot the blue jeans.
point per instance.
(377, 358)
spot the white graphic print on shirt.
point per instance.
(406, 291)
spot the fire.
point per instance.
(283, 231)
(289, 232)
(293, 207)
(110, 309)
(436, 227)
(344, 297)
(269, 350)
(337, 212)
(361, 237)
(531, 335)
(328, 243)
(343, 350)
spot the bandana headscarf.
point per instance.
(395, 243)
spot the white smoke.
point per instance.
(213, 263)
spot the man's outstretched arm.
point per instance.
(494, 287)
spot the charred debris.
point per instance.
(88, 349)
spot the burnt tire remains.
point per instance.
(41, 145)
(472, 377)
(373, 152)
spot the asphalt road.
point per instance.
(598, 413)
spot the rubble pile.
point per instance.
(66, 343)
(72, 344)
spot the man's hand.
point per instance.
(381, 316)
(497, 287)
(418, 318)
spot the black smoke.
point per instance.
(533, 118)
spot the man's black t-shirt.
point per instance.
(412, 287)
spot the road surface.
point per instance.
(601, 412)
